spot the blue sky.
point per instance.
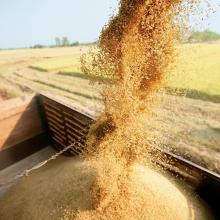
(27, 22)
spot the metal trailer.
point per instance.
(30, 124)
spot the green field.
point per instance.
(197, 71)
(60, 64)
(196, 74)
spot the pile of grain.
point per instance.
(61, 189)
(136, 52)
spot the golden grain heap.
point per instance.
(136, 51)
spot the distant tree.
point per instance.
(65, 42)
(58, 41)
(95, 42)
(76, 43)
(204, 36)
(38, 46)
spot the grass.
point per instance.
(7, 90)
(72, 71)
(197, 72)
(61, 64)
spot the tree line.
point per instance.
(203, 36)
(193, 37)
(63, 42)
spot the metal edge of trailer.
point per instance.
(27, 133)
(22, 150)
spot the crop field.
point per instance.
(196, 73)
(189, 120)
(58, 64)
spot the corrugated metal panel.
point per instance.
(66, 125)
